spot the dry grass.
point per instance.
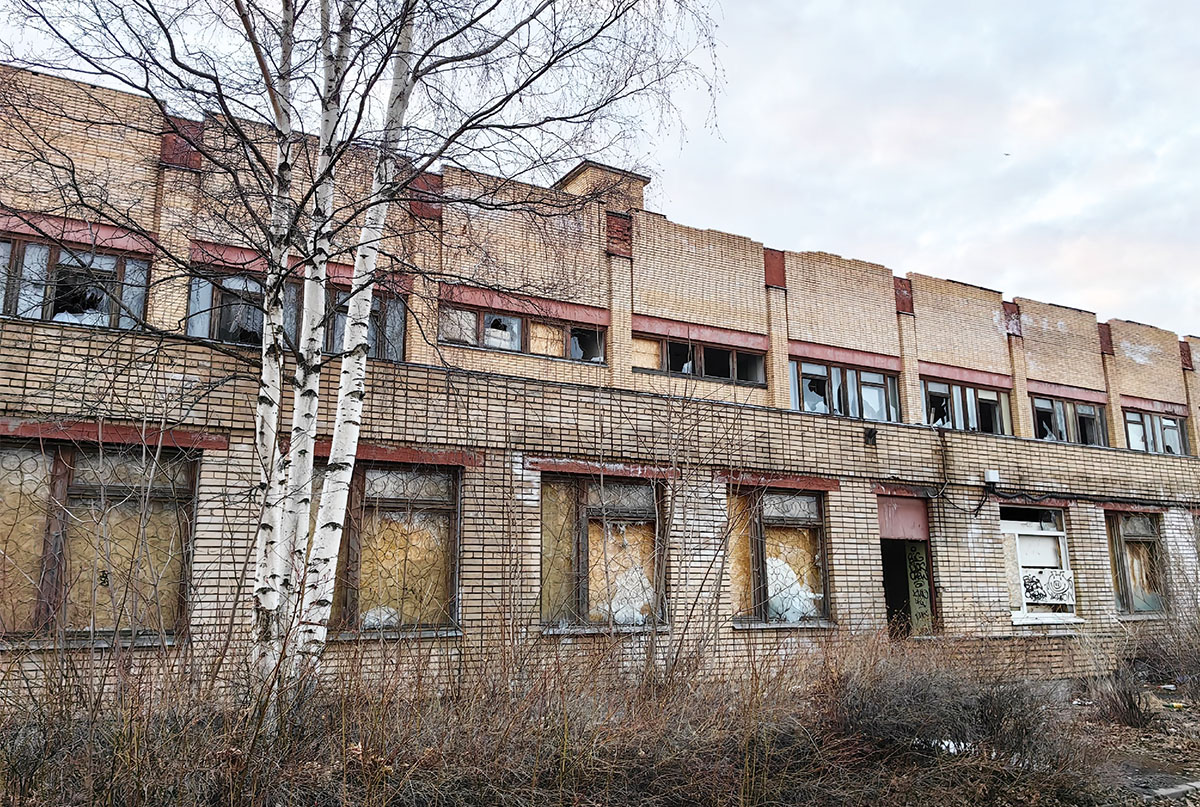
(866, 723)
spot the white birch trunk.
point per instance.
(273, 584)
(317, 595)
(306, 383)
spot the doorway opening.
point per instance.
(907, 564)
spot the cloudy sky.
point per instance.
(1045, 149)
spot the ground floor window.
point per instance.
(93, 539)
(397, 565)
(1137, 562)
(1035, 553)
(777, 556)
(601, 554)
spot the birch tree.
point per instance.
(295, 99)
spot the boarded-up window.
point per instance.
(93, 539)
(776, 556)
(24, 507)
(600, 557)
(546, 339)
(126, 526)
(1136, 562)
(647, 353)
(1035, 555)
(397, 561)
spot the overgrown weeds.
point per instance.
(864, 723)
(1120, 697)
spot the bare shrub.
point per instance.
(867, 724)
(1121, 698)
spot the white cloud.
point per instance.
(1047, 149)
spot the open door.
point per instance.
(907, 565)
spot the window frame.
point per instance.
(1152, 430)
(527, 321)
(52, 600)
(348, 578)
(293, 302)
(580, 605)
(10, 292)
(1066, 410)
(758, 574)
(697, 350)
(964, 406)
(1028, 529)
(1118, 554)
(846, 405)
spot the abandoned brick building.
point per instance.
(681, 434)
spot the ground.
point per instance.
(1165, 754)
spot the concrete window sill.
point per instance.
(812, 624)
(84, 641)
(1152, 616)
(1046, 619)
(601, 630)
(386, 634)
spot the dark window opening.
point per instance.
(718, 362)
(681, 358)
(587, 344)
(751, 368)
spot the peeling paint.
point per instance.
(1141, 354)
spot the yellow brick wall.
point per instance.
(1147, 362)
(700, 276)
(960, 325)
(99, 154)
(841, 302)
(1062, 345)
(560, 257)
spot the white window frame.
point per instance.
(1031, 529)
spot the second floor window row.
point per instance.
(76, 286)
(230, 309)
(957, 406)
(833, 390)
(1069, 421)
(496, 330)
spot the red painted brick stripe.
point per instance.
(536, 306)
(965, 376)
(674, 329)
(1068, 392)
(843, 355)
(124, 434)
(786, 481)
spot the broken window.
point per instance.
(385, 327)
(1154, 433)
(600, 552)
(955, 406)
(396, 567)
(1035, 552)
(849, 392)
(751, 368)
(776, 556)
(681, 358)
(512, 332)
(93, 539)
(1068, 421)
(713, 362)
(42, 281)
(501, 332)
(718, 362)
(1137, 570)
(1089, 425)
(587, 344)
(229, 309)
